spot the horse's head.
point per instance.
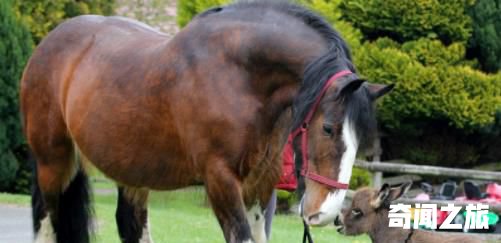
(343, 124)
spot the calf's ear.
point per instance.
(388, 194)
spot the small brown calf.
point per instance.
(369, 214)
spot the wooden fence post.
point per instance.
(376, 159)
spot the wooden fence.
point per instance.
(400, 168)
(410, 171)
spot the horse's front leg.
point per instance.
(224, 190)
(256, 220)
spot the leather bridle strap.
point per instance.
(303, 131)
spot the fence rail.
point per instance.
(428, 170)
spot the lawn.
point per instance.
(183, 216)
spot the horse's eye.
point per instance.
(357, 212)
(327, 130)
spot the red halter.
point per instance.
(288, 152)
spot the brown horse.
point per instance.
(213, 105)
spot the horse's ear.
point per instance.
(386, 195)
(378, 90)
(349, 86)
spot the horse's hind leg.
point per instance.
(60, 198)
(132, 215)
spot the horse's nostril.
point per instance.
(314, 219)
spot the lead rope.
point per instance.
(306, 234)
(409, 236)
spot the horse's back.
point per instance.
(67, 43)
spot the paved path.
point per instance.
(15, 224)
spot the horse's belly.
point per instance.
(133, 149)
(139, 175)
(159, 170)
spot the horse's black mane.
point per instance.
(358, 106)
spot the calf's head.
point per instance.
(369, 209)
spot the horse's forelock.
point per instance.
(360, 111)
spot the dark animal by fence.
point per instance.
(213, 105)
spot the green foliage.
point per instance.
(439, 144)
(429, 88)
(41, 16)
(410, 20)
(360, 178)
(8, 169)
(285, 200)
(15, 48)
(79, 7)
(485, 43)
(329, 9)
(433, 52)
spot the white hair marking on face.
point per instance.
(331, 207)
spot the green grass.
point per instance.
(183, 216)
(14, 199)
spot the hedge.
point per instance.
(429, 87)
(410, 20)
(485, 43)
(15, 48)
(41, 16)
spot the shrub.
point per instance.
(329, 9)
(23, 177)
(41, 16)
(465, 98)
(410, 20)
(285, 200)
(437, 144)
(360, 178)
(15, 48)
(485, 43)
(78, 7)
(433, 52)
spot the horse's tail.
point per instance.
(70, 211)
(37, 202)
